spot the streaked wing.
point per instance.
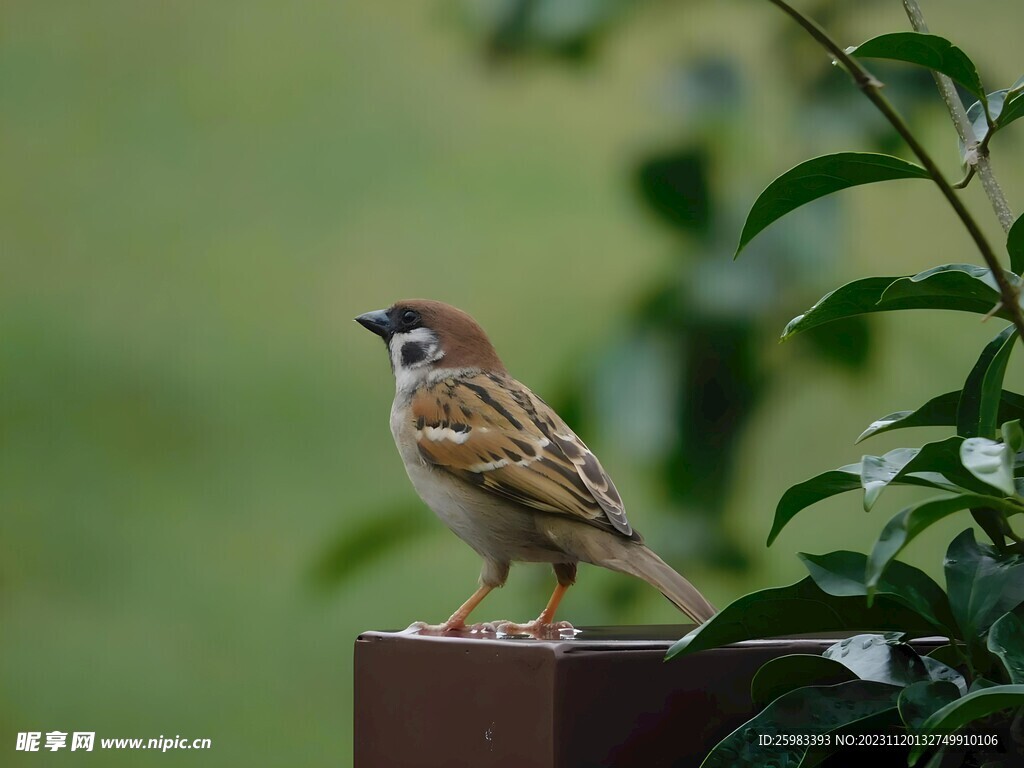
(493, 432)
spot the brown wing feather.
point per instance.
(492, 431)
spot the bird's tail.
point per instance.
(641, 562)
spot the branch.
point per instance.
(871, 88)
(978, 152)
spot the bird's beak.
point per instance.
(376, 322)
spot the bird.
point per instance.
(502, 470)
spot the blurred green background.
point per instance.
(200, 503)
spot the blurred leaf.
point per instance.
(923, 699)
(819, 177)
(785, 673)
(882, 658)
(926, 50)
(913, 520)
(990, 462)
(841, 574)
(675, 186)
(982, 584)
(368, 541)
(846, 342)
(1015, 244)
(977, 412)
(810, 710)
(973, 706)
(799, 608)
(941, 412)
(1006, 641)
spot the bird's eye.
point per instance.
(409, 317)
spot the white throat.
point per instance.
(413, 355)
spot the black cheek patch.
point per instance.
(413, 352)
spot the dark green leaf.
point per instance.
(978, 410)
(962, 287)
(989, 461)
(1004, 106)
(810, 710)
(910, 522)
(971, 707)
(941, 412)
(947, 654)
(848, 478)
(819, 177)
(982, 584)
(935, 464)
(798, 608)
(785, 673)
(1006, 641)
(1015, 243)
(841, 574)
(882, 658)
(923, 699)
(940, 671)
(926, 50)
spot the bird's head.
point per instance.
(424, 336)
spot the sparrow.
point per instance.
(501, 469)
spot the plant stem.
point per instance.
(871, 88)
(981, 161)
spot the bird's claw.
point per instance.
(540, 630)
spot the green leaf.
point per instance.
(818, 177)
(882, 658)
(971, 707)
(833, 482)
(1013, 109)
(978, 410)
(963, 287)
(925, 50)
(922, 699)
(1015, 244)
(841, 574)
(941, 412)
(990, 462)
(1006, 641)
(940, 671)
(982, 584)
(1004, 106)
(799, 608)
(935, 464)
(785, 673)
(809, 710)
(910, 522)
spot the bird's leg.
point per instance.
(458, 619)
(544, 625)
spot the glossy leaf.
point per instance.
(922, 699)
(1005, 106)
(819, 177)
(940, 671)
(1006, 641)
(798, 608)
(882, 658)
(1015, 243)
(982, 584)
(935, 464)
(963, 287)
(941, 412)
(973, 706)
(841, 574)
(989, 461)
(931, 51)
(836, 481)
(978, 410)
(809, 710)
(905, 526)
(785, 673)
